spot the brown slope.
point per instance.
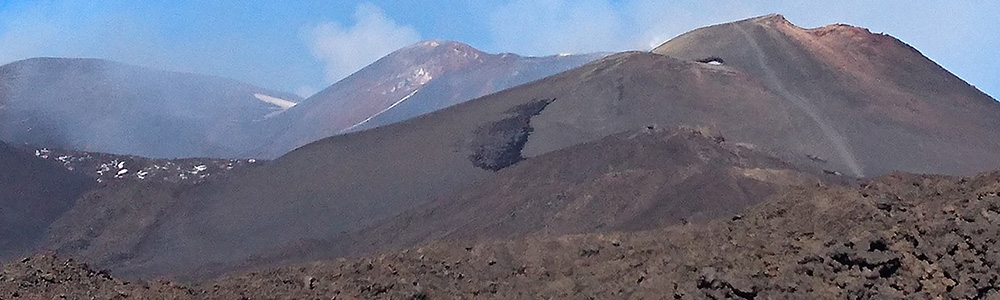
(896, 237)
(347, 183)
(637, 180)
(900, 236)
(868, 95)
(415, 80)
(45, 276)
(33, 194)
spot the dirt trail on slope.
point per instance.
(839, 142)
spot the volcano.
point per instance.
(832, 101)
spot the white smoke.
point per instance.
(345, 49)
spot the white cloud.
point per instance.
(346, 49)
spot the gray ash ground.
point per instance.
(104, 167)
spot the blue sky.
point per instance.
(303, 46)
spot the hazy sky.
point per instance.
(302, 46)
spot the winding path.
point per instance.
(839, 142)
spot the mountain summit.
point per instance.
(855, 98)
(412, 81)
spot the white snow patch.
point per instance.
(715, 63)
(380, 112)
(422, 76)
(564, 54)
(121, 172)
(281, 103)
(103, 168)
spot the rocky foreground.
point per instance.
(894, 237)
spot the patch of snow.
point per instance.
(281, 103)
(200, 168)
(103, 168)
(715, 63)
(422, 76)
(380, 112)
(564, 54)
(122, 172)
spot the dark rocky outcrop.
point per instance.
(498, 145)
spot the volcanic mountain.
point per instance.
(858, 99)
(102, 106)
(33, 193)
(863, 116)
(412, 81)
